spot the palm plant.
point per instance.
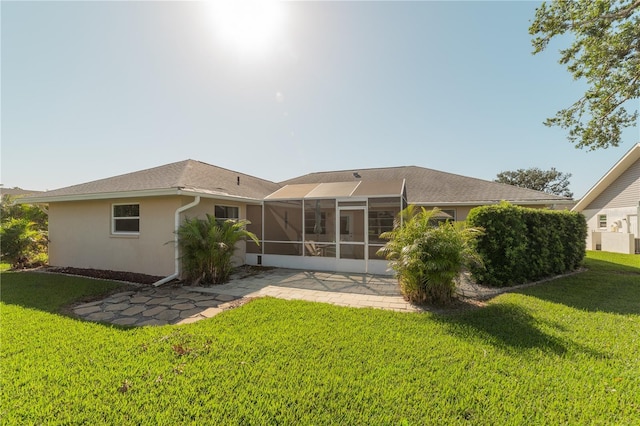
(427, 256)
(208, 245)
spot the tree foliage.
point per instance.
(10, 209)
(606, 53)
(23, 234)
(549, 181)
(428, 256)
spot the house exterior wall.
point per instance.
(620, 202)
(623, 192)
(597, 238)
(80, 236)
(207, 206)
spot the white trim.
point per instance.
(599, 221)
(354, 189)
(614, 173)
(114, 218)
(315, 263)
(137, 194)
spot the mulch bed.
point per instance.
(108, 275)
(132, 277)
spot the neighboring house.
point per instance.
(612, 207)
(9, 196)
(15, 192)
(322, 221)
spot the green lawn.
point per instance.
(565, 352)
(51, 292)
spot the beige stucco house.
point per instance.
(612, 207)
(128, 222)
(320, 221)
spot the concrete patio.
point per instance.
(173, 304)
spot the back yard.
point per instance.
(564, 352)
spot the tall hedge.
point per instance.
(522, 244)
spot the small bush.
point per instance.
(208, 246)
(22, 244)
(23, 234)
(428, 257)
(522, 244)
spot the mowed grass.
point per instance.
(565, 352)
(51, 292)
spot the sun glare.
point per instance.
(248, 27)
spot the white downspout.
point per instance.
(176, 274)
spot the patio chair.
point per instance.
(312, 248)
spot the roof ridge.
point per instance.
(232, 171)
(181, 176)
(344, 171)
(418, 167)
(115, 176)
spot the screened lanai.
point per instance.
(326, 226)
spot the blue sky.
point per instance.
(96, 89)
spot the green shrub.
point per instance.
(22, 244)
(545, 252)
(522, 244)
(503, 245)
(573, 233)
(207, 247)
(23, 234)
(10, 210)
(427, 256)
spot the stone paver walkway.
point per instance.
(343, 289)
(155, 306)
(185, 304)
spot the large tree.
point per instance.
(549, 181)
(605, 51)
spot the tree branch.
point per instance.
(625, 99)
(623, 13)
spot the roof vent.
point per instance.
(356, 175)
(238, 180)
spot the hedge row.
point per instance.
(522, 244)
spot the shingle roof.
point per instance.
(423, 186)
(16, 192)
(433, 187)
(188, 175)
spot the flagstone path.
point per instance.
(154, 306)
(176, 304)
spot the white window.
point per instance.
(125, 218)
(602, 221)
(227, 212)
